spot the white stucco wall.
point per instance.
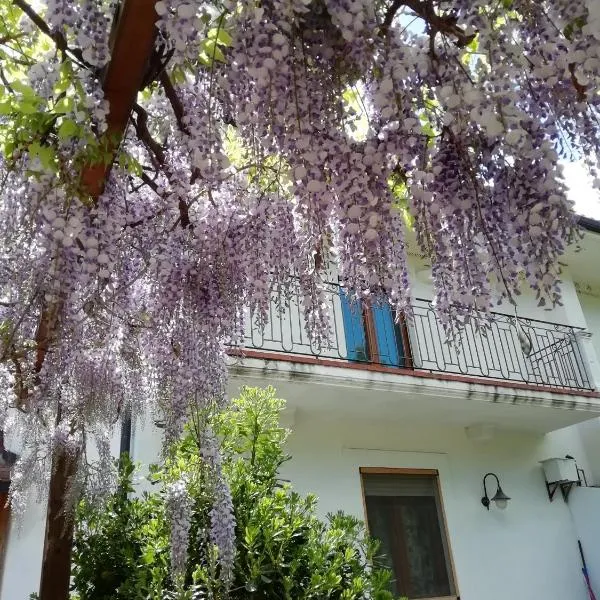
(590, 306)
(527, 552)
(584, 504)
(590, 430)
(24, 555)
(23, 559)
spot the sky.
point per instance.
(586, 198)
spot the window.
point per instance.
(404, 513)
(372, 335)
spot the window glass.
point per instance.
(371, 333)
(404, 514)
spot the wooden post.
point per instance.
(134, 35)
(58, 540)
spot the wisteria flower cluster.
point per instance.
(222, 518)
(179, 507)
(272, 138)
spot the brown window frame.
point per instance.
(442, 513)
(401, 336)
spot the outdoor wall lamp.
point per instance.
(500, 498)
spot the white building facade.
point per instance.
(397, 427)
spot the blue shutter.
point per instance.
(389, 346)
(354, 329)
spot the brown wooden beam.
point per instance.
(134, 37)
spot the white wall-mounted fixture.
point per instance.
(560, 473)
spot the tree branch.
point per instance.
(446, 24)
(141, 127)
(58, 38)
(178, 111)
(5, 81)
(157, 65)
(143, 133)
(579, 88)
(390, 15)
(171, 94)
(150, 183)
(184, 214)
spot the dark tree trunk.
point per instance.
(58, 541)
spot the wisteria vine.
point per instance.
(270, 139)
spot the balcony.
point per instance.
(369, 338)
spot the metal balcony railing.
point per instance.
(490, 349)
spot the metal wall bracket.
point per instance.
(565, 488)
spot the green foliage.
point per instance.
(121, 548)
(209, 50)
(399, 189)
(283, 550)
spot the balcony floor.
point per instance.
(420, 397)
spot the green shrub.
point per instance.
(283, 551)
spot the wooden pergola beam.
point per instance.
(134, 37)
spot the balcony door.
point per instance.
(372, 335)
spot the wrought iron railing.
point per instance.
(492, 349)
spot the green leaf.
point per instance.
(64, 105)
(212, 50)
(474, 43)
(221, 35)
(46, 154)
(149, 556)
(24, 90)
(130, 164)
(68, 128)
(62, 86)
(6, 108)
(48, 157)
(28, 107)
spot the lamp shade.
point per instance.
(501, 499)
